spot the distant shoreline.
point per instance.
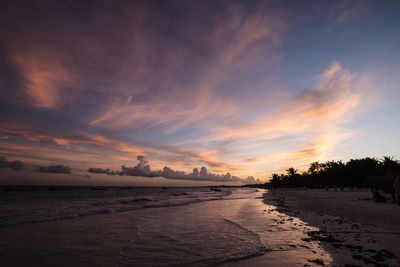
(64, 187)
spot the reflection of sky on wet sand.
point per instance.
(281, 235)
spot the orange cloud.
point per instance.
(304, 128)
(312, 121)
(46, 78)
(210, 93)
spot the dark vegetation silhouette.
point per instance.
(380, 175)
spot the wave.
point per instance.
(113, 205)
(249, 232)
(226, 241)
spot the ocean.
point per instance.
(147, 226)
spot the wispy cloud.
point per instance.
(304, 126)
(46, 81)
(314, 121)
(348, 10)
(197, 84)
(232, 46)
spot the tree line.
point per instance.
(377, 174)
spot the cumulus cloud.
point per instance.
(15, 165)
(54, 169)
(143, 169)
(196, 175)
(101, 170)
(252, 180)
(19, 165)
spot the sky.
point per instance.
(112, 92)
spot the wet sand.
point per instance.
(354, 229)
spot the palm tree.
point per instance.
(292, 176)
(390, 165)
(275, 180)
(314, 167)
(291, 171)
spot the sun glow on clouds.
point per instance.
(184, 94)
(307, 127)
(302, 129)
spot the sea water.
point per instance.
(139, 226)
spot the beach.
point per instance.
(111, 226)
(354, 229)
(194, 226)
(199, 133)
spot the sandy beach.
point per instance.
(354, 229)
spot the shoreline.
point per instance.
(286, 227)
(353, 228)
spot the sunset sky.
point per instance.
(245, 87)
